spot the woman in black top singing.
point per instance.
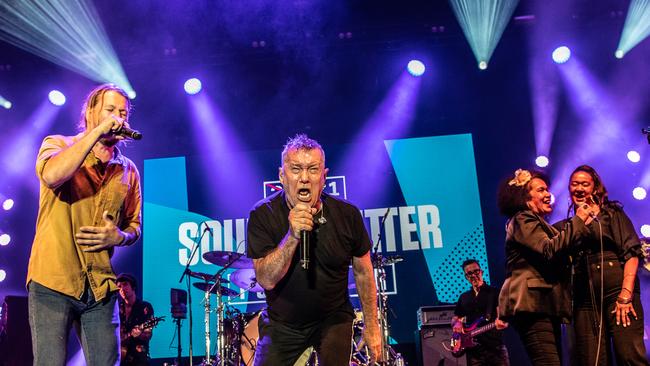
(607, 304)
(535, 296)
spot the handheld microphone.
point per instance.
(304, 249)
(591, 214)
(127, 132)
(594, 199)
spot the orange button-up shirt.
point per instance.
(57, 261)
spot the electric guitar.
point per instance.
(149, 324)
(460, 342)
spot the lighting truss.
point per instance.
(483, 22)
(66, 32)
(636, 28)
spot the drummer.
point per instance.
(310, 307)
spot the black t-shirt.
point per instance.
(304, 297)
(483, 305)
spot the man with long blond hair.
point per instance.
(89, 203)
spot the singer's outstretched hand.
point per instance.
(301, 217)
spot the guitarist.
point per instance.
(480, 302)
(134, 339)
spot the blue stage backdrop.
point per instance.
(427, 185)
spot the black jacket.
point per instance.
(538, 271)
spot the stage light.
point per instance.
(552, 199)
(7, 204)
(66, 32)
(542, 161)
(3, 275)
(192, 86)
(416, 67)
(561, 54)
(636, 28)
(483, 23)
(639, 193)
(56, 97)
(131, 94)
(4, 103)
(5, 239)
(633, 156)
(645, 230)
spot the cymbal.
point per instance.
(245, 278)
(221, 258)
(205, 276)
(225, 291)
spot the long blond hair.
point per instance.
(95, 97)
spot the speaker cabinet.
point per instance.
(430, 342)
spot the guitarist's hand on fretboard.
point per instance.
(144, 330)
(500, 324)
(137, 331)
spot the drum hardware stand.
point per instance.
(389, 355)
(221, 338)
(179, 312)
(189, 292)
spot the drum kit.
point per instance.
(236, 331)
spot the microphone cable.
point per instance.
(602, 291)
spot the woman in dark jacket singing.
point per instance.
(607, 259)
(535, 296)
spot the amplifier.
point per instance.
(435, 315)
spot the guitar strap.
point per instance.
(491, 305)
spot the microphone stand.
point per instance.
(189, 290)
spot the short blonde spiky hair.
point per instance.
(300, 142)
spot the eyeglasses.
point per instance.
(475, 272)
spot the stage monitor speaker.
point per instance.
(430, 349)
(15, 336)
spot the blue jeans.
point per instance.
(52, 314)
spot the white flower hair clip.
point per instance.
(522, 177)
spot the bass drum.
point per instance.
(249, 339)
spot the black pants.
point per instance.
(282, 345)
(541, 335)
(627, 342)
(488, 356)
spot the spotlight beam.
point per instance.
(66, 32)
(483, 23)
(636, 28)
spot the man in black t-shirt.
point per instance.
(481, 301)
(310, 307)
(134, 340)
